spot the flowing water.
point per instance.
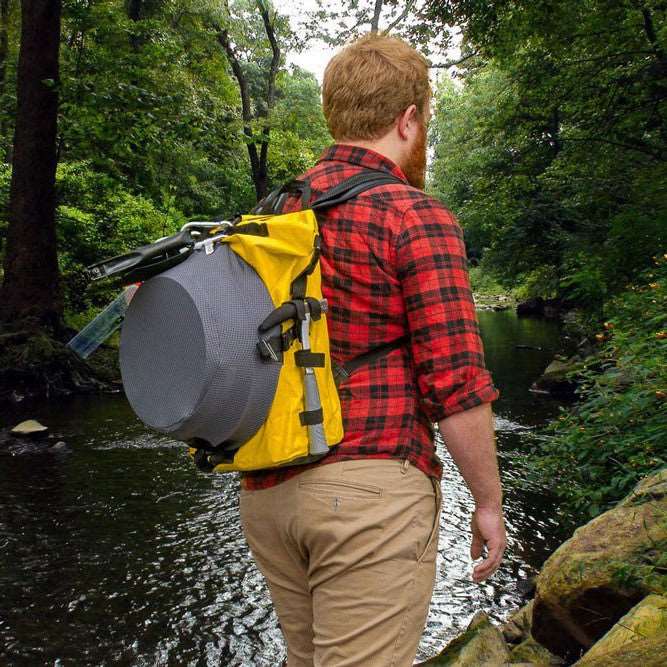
(119, 552)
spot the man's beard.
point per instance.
(415, 166)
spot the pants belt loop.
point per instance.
(404, 466)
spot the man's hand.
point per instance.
(470, 438)
(488, 528)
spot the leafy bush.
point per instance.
(617, 434)
(98, 218)
(583, 281)
(482, 281)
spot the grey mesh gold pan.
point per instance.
(188, 355)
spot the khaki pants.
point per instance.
(348, 550)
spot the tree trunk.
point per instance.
(259, 168)
(4, 53)
(4, 42)
(262, 176)
(31, 286)
(134, 8)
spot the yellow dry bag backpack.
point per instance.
(225, 343)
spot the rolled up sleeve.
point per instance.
(446, 344)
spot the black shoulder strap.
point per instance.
(344, 191)
(275, 200)
(353, 186)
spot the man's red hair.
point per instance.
(369, 83)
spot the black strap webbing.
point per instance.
(252, 228)
(353, 186)
(344, 191)
(343, 371)
(311, 417)
(308, 359)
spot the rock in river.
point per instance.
(604, 570)
(639, 638)
(30, 428)
(555, 380)
(481, 644)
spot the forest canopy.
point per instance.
(548, 142)
(151, 130)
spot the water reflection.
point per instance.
(122, 553)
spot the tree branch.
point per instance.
(453, 63)
(271, 83)
(607, 56)
(649, 29)
(400, 19)
(375, 21)
(246, 107)
(638, 146)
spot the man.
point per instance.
(348, 545)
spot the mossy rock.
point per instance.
(557, 378)
(517, 627)
(650, 488)
(639, 638)
(532, 652)
(481, 644)
(604, 570)
(29, 428)
(35, 365)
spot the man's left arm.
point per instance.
(456, 389)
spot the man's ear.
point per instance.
(406, 120)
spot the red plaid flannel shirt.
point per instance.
(393, 262)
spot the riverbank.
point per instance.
(599, 602)
(36, 365)
(615, 433)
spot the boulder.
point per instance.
(531, 652)
(517, 627)
(554, 379)
(602, 571)
(639, 638)
(552, 308)
(481, 644)
(531, 307)
(523, 647)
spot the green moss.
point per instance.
(533, 652)
(33, 364)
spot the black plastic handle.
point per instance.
(164, 253)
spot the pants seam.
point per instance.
(406, 615)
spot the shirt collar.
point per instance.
(364, 157)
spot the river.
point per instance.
(120, 552)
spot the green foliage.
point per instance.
(300, 132)
(552, 152)
(651, 574)
(596, 451)
(150, 129)
(98, 218)
(151, 104)
(483, 282)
